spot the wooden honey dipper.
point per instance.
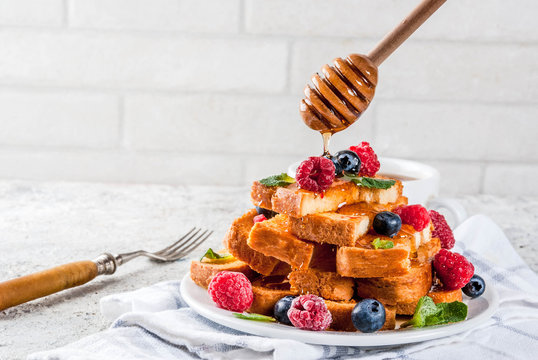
(345, 89)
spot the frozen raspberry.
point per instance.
(231, 291)
(315, 174)
(415, 215)
(259, 218)
(441, 230)
(453, 269)
(309, 312)
(369, 163)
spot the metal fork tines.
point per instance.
(108, 263)
(181, 248)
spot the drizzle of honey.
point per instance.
(326, 140)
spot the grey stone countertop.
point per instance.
(47, 224)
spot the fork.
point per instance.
(26, 288)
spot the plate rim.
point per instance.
(337, 338)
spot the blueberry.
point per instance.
(387, 223)
(280, 311)
(267, 213)
(348, 160)
(368, 315)
(475, 287)
(337, 167)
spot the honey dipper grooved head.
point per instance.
(340, 95)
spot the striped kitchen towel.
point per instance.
(155, 322)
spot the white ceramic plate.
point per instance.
(480, 310)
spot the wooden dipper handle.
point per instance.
(407, 27)
(30, 287)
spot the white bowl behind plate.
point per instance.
(420, 181)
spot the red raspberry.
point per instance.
(315, 174)
(415, 215)
(231, 291)
(309, 312)
(259, 218)
(369, 163)
(441, 230)
(453, 269)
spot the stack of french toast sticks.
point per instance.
(323, 244)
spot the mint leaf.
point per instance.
(254, 317)
(377, 243)
(425, 307)
(427, 313)
(450, 312)
(369, 182)
(210, 254)
(278, 180)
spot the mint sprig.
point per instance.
(278, 180)
(427, 313)
(210, 254)
(377, 243)
(254, 317)
(368, 182)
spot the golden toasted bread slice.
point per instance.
(438, 295)
(235, 242)
(426, 252)
(328, 285)
(341, 314)
(281, 269)
(267, 291)
(364, 261)
(202, 271)
(370, 210)
(330, 228)
(342, 227)
(398, 289)
(261, 195)
(273, 238)
(295, 202)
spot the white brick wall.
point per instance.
(170, 91)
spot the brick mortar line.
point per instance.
(65, 10)
(5, 149)
(253, 36)
(37, 88)
(242, 18)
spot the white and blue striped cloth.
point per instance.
(155, 323)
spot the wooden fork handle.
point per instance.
(43, 283)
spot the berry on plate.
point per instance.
(231, 291)
(281, 308)
(369, 162)
(415, 215)
(309, 312)
(315, 174)
(265, 212)
(441, 230)
(453, 269)
(259, 218)
(347, 161)
(368, 315)
(387, 223)
(475, 287)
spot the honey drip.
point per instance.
(326, 140)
